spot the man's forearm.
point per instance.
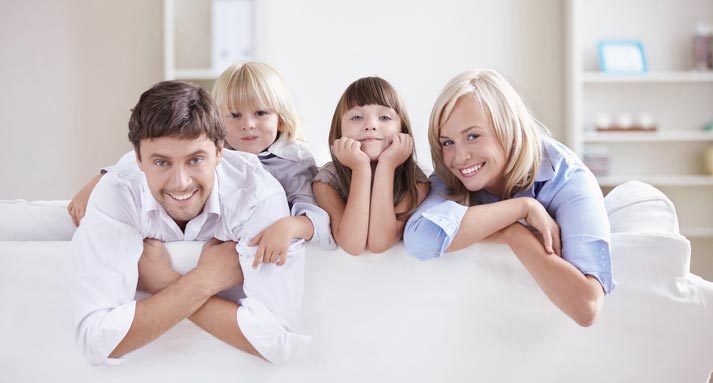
(219, 317)
(160, 312)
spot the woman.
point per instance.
(495, 165)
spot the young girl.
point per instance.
(260, 118)
(496, 164)
(373, 183)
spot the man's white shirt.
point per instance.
(121, 213)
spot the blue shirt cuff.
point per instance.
(592, 256)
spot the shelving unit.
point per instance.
(679, 100)
(188, 38)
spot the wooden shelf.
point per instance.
(659, 136)
(650, 77)
(673, 180)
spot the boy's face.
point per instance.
(180, 173)
(251, 130)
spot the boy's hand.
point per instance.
(273, 243)
(155, 271)
(78, 205)
(348, 152)
(398, 151)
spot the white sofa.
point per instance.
(471, 316)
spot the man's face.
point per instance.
(180, 173)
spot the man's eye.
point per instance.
(196, 161)
(161, 163)
(235, 115)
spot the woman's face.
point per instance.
(470, 148)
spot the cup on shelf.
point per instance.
(603, 121)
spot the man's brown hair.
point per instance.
(175, 109)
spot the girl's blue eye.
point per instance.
(355, 118)
(446, 143)
(235, 115)
(385, 118)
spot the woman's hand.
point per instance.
(398, 151)
(538, 218)
(348, 152)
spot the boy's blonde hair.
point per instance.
(517, 130)
(257, 85)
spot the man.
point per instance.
(185, 188)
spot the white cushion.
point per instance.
(22, 220)
(638, 207)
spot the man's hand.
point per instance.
(219, 265)
(273, 243)
(155, 271)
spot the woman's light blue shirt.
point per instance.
(563, 185)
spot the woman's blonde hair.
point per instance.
(257, 85)
(377, 91)
(517, 130)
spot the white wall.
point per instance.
(71, 69)
(321, 46)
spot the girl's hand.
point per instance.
(538, 218)
(348, 152)
(398, 151)
(273, 242)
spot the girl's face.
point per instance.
(471, 150)
(373, 126)
(251, 130)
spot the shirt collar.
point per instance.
(283, 148)
(545, 173)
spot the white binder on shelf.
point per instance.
(232, 33)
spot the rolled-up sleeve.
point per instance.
(322, 235)
(432, 227)
(273, 294)
(105, 252)
(578, 208)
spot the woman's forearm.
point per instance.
(480, 221)
(577, 295)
